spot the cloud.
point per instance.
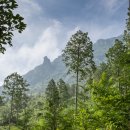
(29, 7)
(48, 44)
(98, 32)
(73, 31)
(27, 57)
(50, 27)
(110, 3)
(32, 13)
(113, 5)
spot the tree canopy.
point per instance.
(9, 22)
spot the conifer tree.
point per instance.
(52, 100)
(116, 57)
(63, 92)
(127, 31)
(15, 87)
(78, 57)
(1, 100)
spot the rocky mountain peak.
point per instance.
(46, 60)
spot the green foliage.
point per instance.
(12, 128)
(15, 88)
(103, 103)
(78, 57)
(78, 54)
(9, 22)
(110, 102)
(127, 31)
(67, 119)
(63, 93)
(52, 100)
(116, 55)
(1, 101)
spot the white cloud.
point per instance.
(32, 13)
(98, 32)
(25, 58)
(45, 37)
(110, 3)
(111, 6)
(73, 31)
(29, 9)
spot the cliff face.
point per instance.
(41, 74)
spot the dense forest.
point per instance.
(98, 100)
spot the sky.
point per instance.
(50, 24)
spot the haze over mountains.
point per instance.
(38, 77)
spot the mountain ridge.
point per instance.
(38, 77)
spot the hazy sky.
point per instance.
(50, 23)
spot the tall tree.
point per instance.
(63, 92)
(78, 57)
(15, 87)
(127, 30)
(1, 100)
(52, 99)
(116, 57)
(9, 22)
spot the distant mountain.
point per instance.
(40, 75)
(102, 46)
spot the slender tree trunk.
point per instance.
(54, 121)
(24, 120)
(11, 109)
(118, 74)
(17, 118)
(9, 121)
(76, 100)
(77, 84)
